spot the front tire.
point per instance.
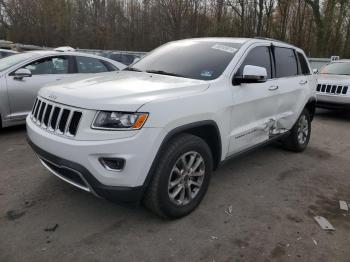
(300, 134)
(181, 177)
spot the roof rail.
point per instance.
(272, 39)
(65, 49)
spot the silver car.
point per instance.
(22, 75)
(6, 52)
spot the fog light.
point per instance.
(113, 164)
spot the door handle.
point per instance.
(272, 88)
(303, 82)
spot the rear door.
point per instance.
(22, 92)
(254, 104)
(291, 84)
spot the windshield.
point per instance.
(205, 60)
(339, 68)
(10, 61)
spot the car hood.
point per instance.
(122, 91)
(333, 79)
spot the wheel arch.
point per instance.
(311, 107)
(208, 130)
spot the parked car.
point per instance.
(22, 75)
(333, 89)
(126, 59)
(6, 53)
(156, 131)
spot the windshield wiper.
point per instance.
(130, 68)
(161, 72)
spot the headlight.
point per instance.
(119, 120)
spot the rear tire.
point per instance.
(300, 134)
(181, 177)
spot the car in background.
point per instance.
(333, 89)
(126, 59)
(22, 75)
(6, 53)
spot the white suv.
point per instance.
(333, 89)
(155, 131)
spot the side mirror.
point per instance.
(21, 73)
(252, 74)
(315, 71)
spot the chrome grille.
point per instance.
(56, 118)
(332, 89)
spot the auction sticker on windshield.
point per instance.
(207, 73)
(225, 48)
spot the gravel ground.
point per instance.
(274, 196)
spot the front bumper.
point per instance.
(77, 161)
(333, 101)
(80, 177)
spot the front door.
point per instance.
(254, 105)
(22, 92)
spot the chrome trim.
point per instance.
(58, 121)
(103, 163)
(55, 129)
(87, 189)
(37, 119)
(44, 113)
(49, 128)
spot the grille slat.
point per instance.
(47, 115)
(37, 109)
(74, 123)
(35, 104)
(56, 118)
(63, 121)
(332, 89)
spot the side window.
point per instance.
(259, 56)
(49, 65)
(304, 68)
(286, 63)
(90, 65)
(109, 66)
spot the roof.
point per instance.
(8, 50)
(241, 40)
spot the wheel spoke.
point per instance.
(176, 191)
(174, 183)
(177, 170)
(194, 183)
(188, 191)
(182, 196)
(197, 164)
(183, 161)
(199, 173)
(190, 163)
